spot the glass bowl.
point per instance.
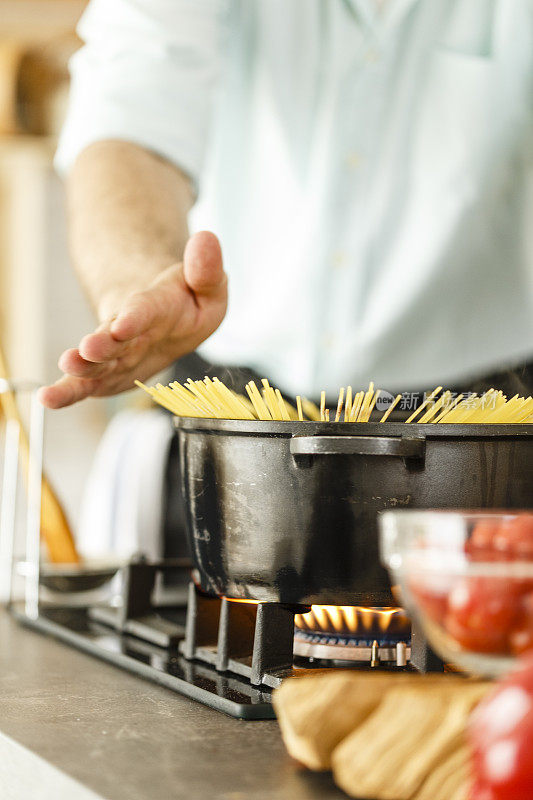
(468, 578)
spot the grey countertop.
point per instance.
(75, 728)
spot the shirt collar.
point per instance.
(370, 14)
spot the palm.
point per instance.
(180, 309)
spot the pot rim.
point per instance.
(288, 429)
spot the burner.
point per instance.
(341, 650)
(353, 633)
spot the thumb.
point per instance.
(202, 265)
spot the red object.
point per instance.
(432, 600)
(486, 614)
(501, 737)
(481, 614)
(522, 636)
(480, 792)
(514, 538)
(480, 546)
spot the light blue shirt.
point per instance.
(366, 166)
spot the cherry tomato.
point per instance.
(481, 792)
(501, 738)
(514, 539)
(522, 635)
(434, 605)
(480, 546)
(481, 614)
(431, 594)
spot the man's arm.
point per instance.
(155, 297)
(127, 213)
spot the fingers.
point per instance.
(202, 265)
(72, 363)
(135, 317)
(69, 389)
(99, 346)
(66, 391)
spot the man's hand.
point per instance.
(182, 307)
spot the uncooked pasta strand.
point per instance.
(339, 404)
(449, 409)
(366, 402)
(370, 408)
(282, 406)
(348, 404)
(428, 400)
(322, 406)
(311, 410)
(391, 408)
(358, 399)
(435, 408)
(258, 402)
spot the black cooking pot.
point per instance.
(287, 511)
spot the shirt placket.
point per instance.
(355, 142)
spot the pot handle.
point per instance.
(401, 446)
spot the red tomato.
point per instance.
(514, 539)
(522, 636)
(481, 792)
(481, 614)
(480, 546)
(434, 605)
(501, 738)
(431, 594)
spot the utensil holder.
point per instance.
(29, 566)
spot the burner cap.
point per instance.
(337, 648)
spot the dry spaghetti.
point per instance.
(212, 399)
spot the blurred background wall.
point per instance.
(42, 309)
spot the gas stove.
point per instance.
(230, 654)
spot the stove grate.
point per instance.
(228, 655)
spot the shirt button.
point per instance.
(371, 56)
(353, 160)
(328, 341)
(339, 260)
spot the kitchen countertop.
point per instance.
(75, 728)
